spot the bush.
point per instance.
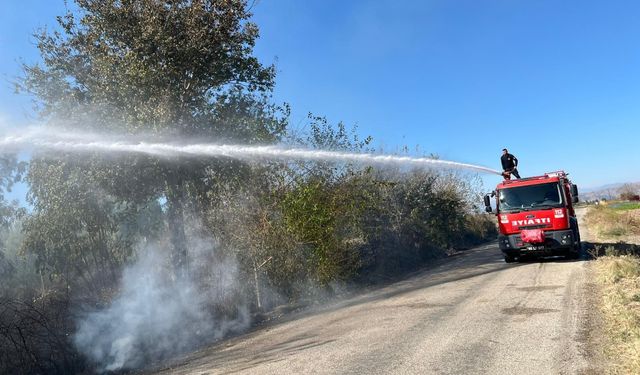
(34, 336)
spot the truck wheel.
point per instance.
(574, 254)
(577, 247)
(509, 259)
(574, 251)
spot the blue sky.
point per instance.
(558, 83)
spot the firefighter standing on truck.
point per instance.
(509, 164)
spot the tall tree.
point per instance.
(171, 68)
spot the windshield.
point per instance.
(530, 197)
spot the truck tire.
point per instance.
(576, 250)
(509, 259)
(577, 246)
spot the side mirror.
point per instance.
(487, 203)
(574, 193)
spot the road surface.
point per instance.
(473, 314)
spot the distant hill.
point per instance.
(609, 191)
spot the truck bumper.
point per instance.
(558, 242)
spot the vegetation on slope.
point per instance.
(245, 236)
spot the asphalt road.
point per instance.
(473, 314)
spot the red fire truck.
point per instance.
(536, 216)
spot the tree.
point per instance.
(629, 192)
(172, 68)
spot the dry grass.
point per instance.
(619, 278)
(614, 222)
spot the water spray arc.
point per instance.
(38, 139)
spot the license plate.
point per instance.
(534, 248)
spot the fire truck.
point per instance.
(536, 216)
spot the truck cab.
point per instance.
(536, 216)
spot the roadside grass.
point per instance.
(626, 206)
(617, 269)
(614, 221)
(619, 279)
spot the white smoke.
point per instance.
(48, 139)
(155, 316)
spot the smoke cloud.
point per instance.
(156, 316)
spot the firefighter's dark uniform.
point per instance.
(510, 164)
